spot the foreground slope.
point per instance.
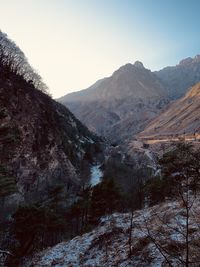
(108, 244)
(181, 117)
(121, 105)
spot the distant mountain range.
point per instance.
(122, 105)
(119, 106)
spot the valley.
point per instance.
(104, 176)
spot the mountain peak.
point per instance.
(189, 60)
(186, 61)
(197, 58)
(139, 65)
(130, 68)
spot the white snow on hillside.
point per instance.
(107, 245)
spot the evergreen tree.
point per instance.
(7, 183)
(177, 165)
(106, 198)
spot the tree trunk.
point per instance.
(130, 234)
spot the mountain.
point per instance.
(181, 117)
(119, 106)
(179, 78)
(42, 144)
(128, 80)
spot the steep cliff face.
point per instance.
(119, 106)
(41, 143)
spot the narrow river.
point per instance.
(96, 175)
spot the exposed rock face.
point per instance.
(41, 142)
(182, 117)
(119, 106)
(179, 78)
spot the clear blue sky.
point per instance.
(72, 43)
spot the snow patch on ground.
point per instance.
(108, 244)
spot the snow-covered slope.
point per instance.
(108, 244)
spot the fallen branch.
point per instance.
(6, 252)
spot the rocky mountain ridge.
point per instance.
(119, 106)
(177, 79)
(127, 80)
(122, 105)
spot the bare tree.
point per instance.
(3, 256)
(182, 168)
(12, 58)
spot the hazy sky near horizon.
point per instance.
(73, 43)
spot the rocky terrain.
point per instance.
(180, 119)
(177, 79)
(119, 106)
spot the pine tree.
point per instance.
(7, 183)
(106, 198)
